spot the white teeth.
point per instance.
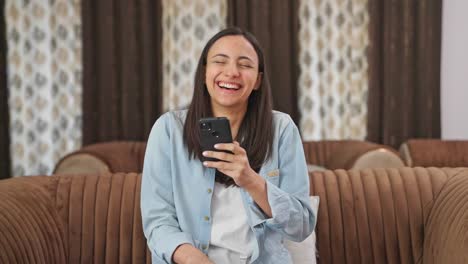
(228, 85)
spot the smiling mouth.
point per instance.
(229, 86)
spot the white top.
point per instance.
(232, 240)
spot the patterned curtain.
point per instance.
(140, 58)
(44, 76)
(333, 39)
(187, 26)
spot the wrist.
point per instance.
(187, 254)
(256, 182)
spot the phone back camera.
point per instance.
(205, 126)
(215, 134)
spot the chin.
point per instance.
(230, 104)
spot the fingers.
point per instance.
(232, 147)
(226, 146)
(228, 161)
(220, 165)
(219, 155)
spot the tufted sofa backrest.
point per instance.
(365, 216)
(378, 215)
(72, 219)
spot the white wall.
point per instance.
(454, 70)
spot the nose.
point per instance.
(231, 70)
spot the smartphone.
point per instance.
(214, 130)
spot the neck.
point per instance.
(235, 118)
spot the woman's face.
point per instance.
(231, 73)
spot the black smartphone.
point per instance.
(214, 130)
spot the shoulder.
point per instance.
(281, 117)
(282, 121)
(170, 120)
(172, 117)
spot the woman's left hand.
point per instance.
(235, 165)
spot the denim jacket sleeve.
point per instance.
(292, 214)
(160, 223)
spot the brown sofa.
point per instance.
(406, 215)
(435, 152)
(127, 156)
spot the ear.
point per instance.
(259, 81)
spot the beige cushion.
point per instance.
(378, 158)
(81, 163)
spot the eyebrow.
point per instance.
(226, 56)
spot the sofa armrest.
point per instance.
(435, 153)
(30, 231)
(446, 230)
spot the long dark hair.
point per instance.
(255, 133)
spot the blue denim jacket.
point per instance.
(176, 193)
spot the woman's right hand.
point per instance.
(188, 254)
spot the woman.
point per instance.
(240, 208)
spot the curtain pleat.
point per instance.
(404, 70)
(4, 118)
(275, 24)
(122, 64)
